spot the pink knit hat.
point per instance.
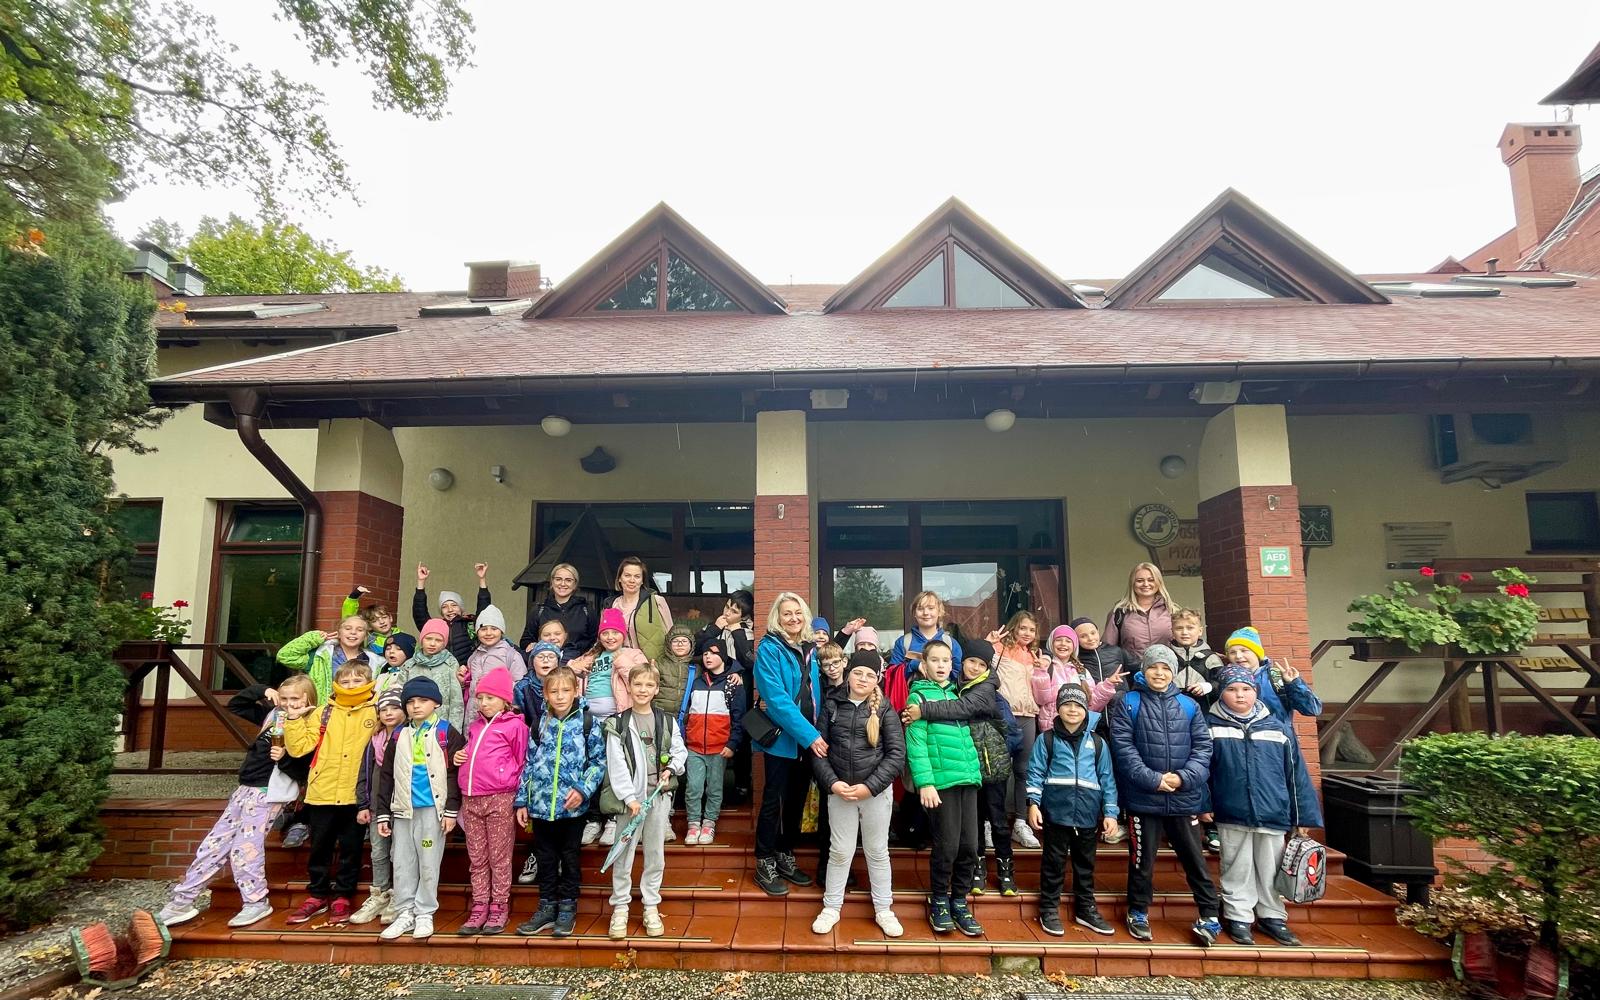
(498, 683)
(868, 633)
(438, 627)
(1062, 631)
(611, 619)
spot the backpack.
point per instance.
(610, 803)
(1131, 699)
(1302, 873)
(994, 759)
(1049, 738)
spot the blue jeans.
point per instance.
(703, 794)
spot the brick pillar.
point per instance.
(1245, 465)
(358, 479)
(783, 544)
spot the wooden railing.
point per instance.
(140, 659)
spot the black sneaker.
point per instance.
(1092, 920)
(543, 918)
(769, 879)
(1239, 931)
(1139, 926)
(530, 870)
(1050, 920)
(939, 914)
(965, 922)
(1279, 931)
(789, 870)
(977, 883)
(1008, 877)
(566, 917)
(1207, 929)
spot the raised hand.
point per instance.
(362, 589)
(1290, 673)
(482, 569)
(422, 575)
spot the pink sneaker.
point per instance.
(708, 833)
(693, 836)
(339, 911)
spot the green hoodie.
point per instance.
(941, 754)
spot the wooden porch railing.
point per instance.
(139, 659)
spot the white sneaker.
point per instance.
(672, 834)
(652, 922)
(423, 929)
(608, 836)
(173, 914)
(888, 923)
(825, 920)
(369, 911)
(988, 836)
(619, 924)
(1118, 835)
(708, 834)
(692, 837)
(401, 923)
(389, 913)
(253, 913)
(591, 832)
(1023, 836)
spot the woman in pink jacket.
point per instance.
(1144, 616)
(489, 768)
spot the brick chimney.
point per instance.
(502, 279)
(1543, 160)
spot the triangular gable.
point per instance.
(625, 277)
(1233, 240)
(954, 246)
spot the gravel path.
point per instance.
(47, 948)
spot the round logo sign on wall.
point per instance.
(1155, 524)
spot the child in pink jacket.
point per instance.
(489, 769)
(1063, 668)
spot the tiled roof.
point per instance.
(346, 310)
(1519, 324)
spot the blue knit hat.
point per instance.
(421, 687)
(544, 647)
(820, 622)
(1235, 673)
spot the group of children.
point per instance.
(396, 742)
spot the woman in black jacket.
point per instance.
(866, 753)
(563, 603)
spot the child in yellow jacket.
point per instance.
(336, 734)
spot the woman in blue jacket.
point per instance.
(791, 696)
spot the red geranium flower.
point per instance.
(1465, 578)
(180, 604)
(1427, 571)
(1517, 589)
(146, 596)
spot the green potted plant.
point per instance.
(1502, 623)
(146, 629)
(1449, 626)
(1397, 625)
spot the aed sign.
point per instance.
(1275, 560)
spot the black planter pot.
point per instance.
(1369, 819)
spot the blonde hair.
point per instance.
(828, 651)
(576, 579)
(360, 668)
(360, 617)
(299, 682)
(874, 724)
(1178, 613)
(562, 675)
(1010, 631)
(1131, 601)
(775, 621)
(645, 669)
(928, 595)
(374, 611)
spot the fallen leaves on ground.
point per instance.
(1064, 981)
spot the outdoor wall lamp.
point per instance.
(555, 426)
(1173, 466)
(1272, 501)
(441, 479)
(1000, 420)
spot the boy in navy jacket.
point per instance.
(1260, 790)
(1072, 798)
(1162, 748)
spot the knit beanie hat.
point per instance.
(390, 698)
(713, 644)
(406, 643)
(438, 627)
(1063, 632)
(421, 687)
(1080, 621)
(544, 647)
(866, 633)
(1160, 653)
(1072, 694)
(1235, 673)
(1249, 638)
(865, 658)
(498, 683)
(611, 620)
(979, 649)
(450, 595)
(820, 622)
(492, 617)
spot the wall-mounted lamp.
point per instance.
(441, 479)
(1272, 501)
(1000, 420)
(1174, 466)
(499, 473)
(555, 426)
(597, 462)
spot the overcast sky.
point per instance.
(805, 139)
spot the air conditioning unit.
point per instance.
(1498, 447)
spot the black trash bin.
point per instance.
(1368, 819)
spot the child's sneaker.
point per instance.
(708, 833)
(402, 923)
(566, 917)
(789, 868)
(768, 879)
(888, 923)
(939, 914)
(591, 832)
(1092, 919)
(672, 835)
(1117, 835)
(423, 929)
(495, 922)
(389, 912)
(977, 882)
(374, 905)
(296, 835)
(965, 922)
(1207, 929)
(692, 837)
(543, 918)
(1213, 841)
(475, 918)
(1050, 920)
(825, 920)
(312, 906)
(619, 924)
(1023, 835)
(253, 913)
(530, 870)
(1239, 930)
(652, 922)
(174, 914)
(339, 911)
(1139, 926)
(1008, 876)
(1279, 931)
(608, 836)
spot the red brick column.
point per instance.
(360, 545)
(783, 551)
(1233, 528)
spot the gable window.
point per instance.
(953, 278)
(1229, 272)
(687, 289)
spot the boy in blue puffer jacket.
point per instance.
(1162, 749)
(1260, 790)
(1281, 687)
(566, 760)
(1072, 799)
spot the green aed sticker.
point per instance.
(1275, 560)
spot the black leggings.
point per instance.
(992, 807)
(783, 799)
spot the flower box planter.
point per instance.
(1369, 819)
(141, 650)
(1380, 650)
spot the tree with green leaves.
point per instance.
(859, 592)
(276, 257)
(103, 94)
(76, 351)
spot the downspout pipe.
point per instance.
(248, 409)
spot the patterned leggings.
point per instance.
(491, 832)
(239, 840)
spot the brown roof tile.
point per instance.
(346, 310)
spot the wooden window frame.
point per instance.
(222, 548)
(947, 246)
(660, 252)
(681, 567)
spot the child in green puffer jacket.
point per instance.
(944, 768)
